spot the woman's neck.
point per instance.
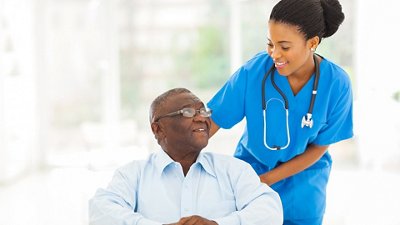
(299, 78)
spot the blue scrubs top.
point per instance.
(303, 195)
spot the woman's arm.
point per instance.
(214, 128)
(299, 163)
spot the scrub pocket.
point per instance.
(309, 193)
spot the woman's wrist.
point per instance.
(266, 178)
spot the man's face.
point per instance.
(180, 134)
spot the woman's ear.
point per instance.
(313, 43)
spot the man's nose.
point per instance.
(199, 117)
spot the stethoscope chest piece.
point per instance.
(307, 121)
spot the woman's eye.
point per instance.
(285, 48)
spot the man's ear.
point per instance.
(157, 130)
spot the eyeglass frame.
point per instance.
(203, 112)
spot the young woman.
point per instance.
(296, 103)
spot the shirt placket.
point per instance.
(189, 188)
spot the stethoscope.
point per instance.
(307, 120)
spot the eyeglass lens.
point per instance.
(190, 112)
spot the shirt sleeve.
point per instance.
(340, 118)
(256, 202)
(228, 104)
(116, 204)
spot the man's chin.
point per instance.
(202, 145)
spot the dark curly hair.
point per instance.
(320, 18)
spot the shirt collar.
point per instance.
(205, 161)
(162, 160)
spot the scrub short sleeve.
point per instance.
(339, 125)
(228, 104)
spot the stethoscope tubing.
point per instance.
(315, 86)
(287, 132)
(308, 116)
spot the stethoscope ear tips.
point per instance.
(307, 121)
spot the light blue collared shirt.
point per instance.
(155, 192)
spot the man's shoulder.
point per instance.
(227, 167)
(137, 164)
(224, 160)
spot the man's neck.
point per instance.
(186, 160)
(186, 165)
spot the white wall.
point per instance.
(377, 115)
(17, 87)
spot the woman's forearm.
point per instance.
(214, 128)
(299, 163)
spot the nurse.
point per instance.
(302, 107)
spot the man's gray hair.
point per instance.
(161, 99)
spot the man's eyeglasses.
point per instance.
(187, 112)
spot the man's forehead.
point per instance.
(185, 98)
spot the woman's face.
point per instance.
(292, 54)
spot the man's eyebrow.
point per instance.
(194, 104)
(187, 105)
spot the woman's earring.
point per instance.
(313, 49)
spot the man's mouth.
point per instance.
(199, 130)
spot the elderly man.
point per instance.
(180, 184)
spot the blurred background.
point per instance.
(77, 78)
